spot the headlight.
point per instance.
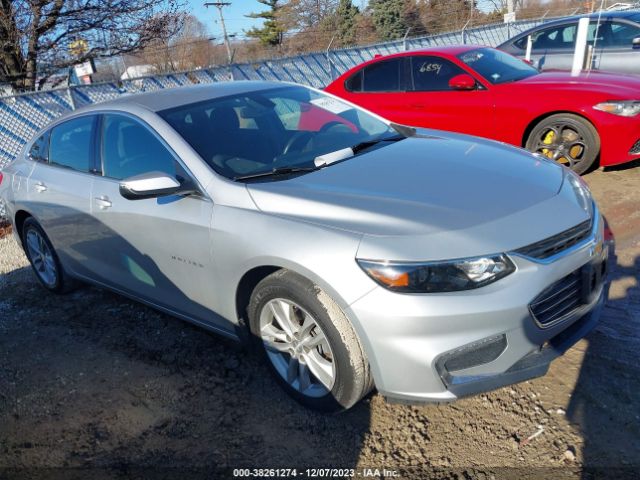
(582, 192)
(624, 108)
(432, 277)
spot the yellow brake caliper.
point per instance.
(576, 150)
(548, 140)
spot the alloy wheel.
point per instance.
(297, 347)
(41, 258)
(562, 143)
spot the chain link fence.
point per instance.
(21, 116)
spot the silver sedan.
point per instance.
(350, 252)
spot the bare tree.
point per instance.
(306, 14)
(189, 48)
(40, 37)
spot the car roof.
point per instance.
(450, 50)
(633, 15)
(447, 51)
(625, 14)
(176, 97)
(628, 14)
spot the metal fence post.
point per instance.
(72, 101)
(404, 40)
(463, 33)
(331, 67)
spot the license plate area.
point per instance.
(592, 276)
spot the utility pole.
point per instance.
(220, 6)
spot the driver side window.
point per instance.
(129, 148)
(432, 74)
(622, 34)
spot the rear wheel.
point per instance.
(43, 258)
(567, 139)
(308, 343)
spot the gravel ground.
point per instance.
(96, 386)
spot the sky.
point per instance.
(234, 15)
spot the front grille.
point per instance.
(550, 246)
(635, 150)
(564, 297)
(558, 300)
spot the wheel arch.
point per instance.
(532, 124)
(250, 279)
(19, 218)
(245, 288)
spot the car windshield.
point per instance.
(496, 66)
(279, 130)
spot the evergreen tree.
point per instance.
(390, 17)
(346, 17)
(387, 17)
(271, 32)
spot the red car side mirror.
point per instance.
(462, 82)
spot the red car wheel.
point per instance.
(568, 139)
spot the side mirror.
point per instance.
(635, 43)
(462, 82)
(150, 185)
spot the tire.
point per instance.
(568, 139)
(330, 345)
(46, 264)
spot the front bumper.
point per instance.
(619, 138)
(437, 348)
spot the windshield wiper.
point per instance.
(370, 143)
(323, 162)
(276, 172)
(345, 153)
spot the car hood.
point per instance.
(624, 86)
(431, 184)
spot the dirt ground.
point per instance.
(96, 386)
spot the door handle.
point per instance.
(103, 202)
(418, 106)
(40, 187)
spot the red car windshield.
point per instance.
(496, 66)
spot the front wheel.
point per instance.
(567, 139)
(308, 343)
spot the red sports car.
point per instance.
(485, 92)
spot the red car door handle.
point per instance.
(418, 106)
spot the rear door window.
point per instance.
(71, 144)
(383, 76)
(354, 82)
(39, 151)
(560, 36)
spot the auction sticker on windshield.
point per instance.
(331, 104)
